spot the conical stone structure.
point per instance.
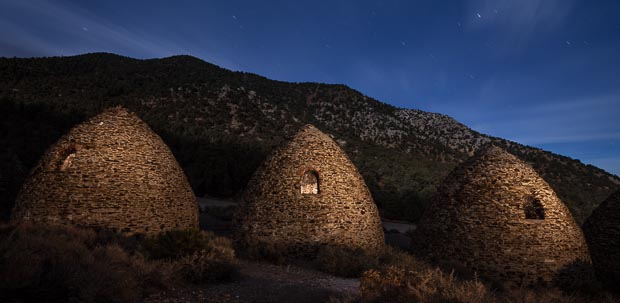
(602, 230)
(111, 171)
(495, 215)
(306, 195)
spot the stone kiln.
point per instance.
(111, 171)
(308, 194)
(495, 215)
(602, 230)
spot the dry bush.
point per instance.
(54, 263)
(176, 244)
(351, 262)
(216, 265)
(397, 284)
(403, 278)
(253, 249)
(398, 257)
(201, 256)
(205, 267)
(344, 261)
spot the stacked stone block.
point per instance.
(487, 217)
(111, 171)
(338, 211)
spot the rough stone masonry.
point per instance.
(495, 215)
(306, 195)
(111, 171)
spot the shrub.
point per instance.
(344, 261)
(54, 263)
(352, 262)
(201, 256)
(209, 266)
(397, 284)
(397, 257)
(400, 277)
(262, 251)
(176, 244)
(403, 278)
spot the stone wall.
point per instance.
(341, 213)
(602, 230)
(478, 221)
(111, 171)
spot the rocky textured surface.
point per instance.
(602, 230)
(496, 216)
(275, 211)
(111, 171)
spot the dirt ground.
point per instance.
(262, 282)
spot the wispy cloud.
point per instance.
(541, 121)
(584, 127)
(552, 137)
(59, 28)
(16, 41)
(55, 28)
(515, 22)
(574, 120)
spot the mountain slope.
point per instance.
(221, 124)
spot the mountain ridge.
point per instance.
(402, 153)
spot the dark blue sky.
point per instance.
(540, 72)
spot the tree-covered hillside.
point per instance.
(221, 124)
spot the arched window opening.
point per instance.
(66, 158)
(534, 209)
(310, 183)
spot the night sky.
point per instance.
(544, 73)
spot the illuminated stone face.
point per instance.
(310, 183)
(68, 156)
(307, 195)
(494, 214)
(111, 171)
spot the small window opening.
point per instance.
(67, 158)
(310, 183)
(534, 209)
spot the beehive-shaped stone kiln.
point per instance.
(602, 230)
(306, 195)
(495, 215)
(111, 171)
